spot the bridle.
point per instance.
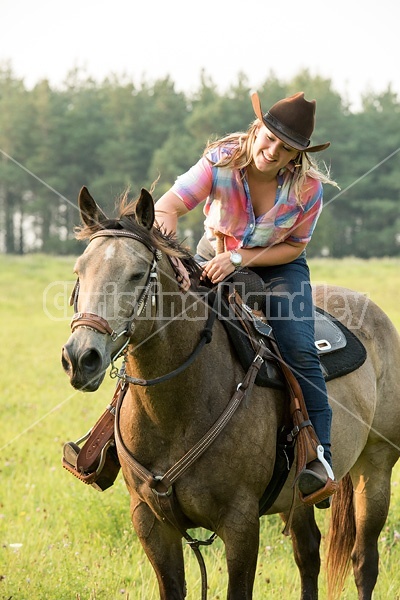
(96, 323)
(93, 321)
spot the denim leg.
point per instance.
(290, 310)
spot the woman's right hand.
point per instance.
(219, 267)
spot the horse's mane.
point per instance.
(154, 237)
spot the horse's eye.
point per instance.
(137, 276)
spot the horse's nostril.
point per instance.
(65, 360)
(90, 361)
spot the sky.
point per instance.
(354, 43)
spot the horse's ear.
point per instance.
(144, 209)
(91, 213)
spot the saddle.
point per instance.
(339, 350)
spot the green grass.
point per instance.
(62, 540)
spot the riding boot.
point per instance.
(316, 473)
(316, 476)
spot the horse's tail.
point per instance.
(341, 538)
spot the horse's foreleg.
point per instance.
(163, 546)
(241, 548)
(306, 539)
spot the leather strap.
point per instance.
(169, 506)
(162, 484)
(244, 390)
(252, 321)
(306, 437)
(91, 320)
(220, 242)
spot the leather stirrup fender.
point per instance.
(96, 462)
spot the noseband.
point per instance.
(101, 325)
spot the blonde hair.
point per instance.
(241, 144)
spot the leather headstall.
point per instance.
(99, 324)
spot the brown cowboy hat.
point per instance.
(292, 120)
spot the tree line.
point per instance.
(113, 135)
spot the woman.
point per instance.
(263, 196)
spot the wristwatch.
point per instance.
(236, 259)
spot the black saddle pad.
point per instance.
(346, 359)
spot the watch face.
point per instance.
(236, 259)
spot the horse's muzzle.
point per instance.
(84, 369)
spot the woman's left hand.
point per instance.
(218, 267)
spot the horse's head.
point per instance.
(117, 275)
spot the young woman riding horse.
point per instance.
(263, 194)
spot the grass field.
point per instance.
(62, 540)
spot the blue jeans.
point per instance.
(290, 310)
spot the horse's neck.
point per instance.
(176, 332)
(169, 335)
(168, 344)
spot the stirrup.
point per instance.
(96, 462)
(320, 495)
(106, 470)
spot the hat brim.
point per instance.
(255, 100)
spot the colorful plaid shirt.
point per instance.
(228, 208)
